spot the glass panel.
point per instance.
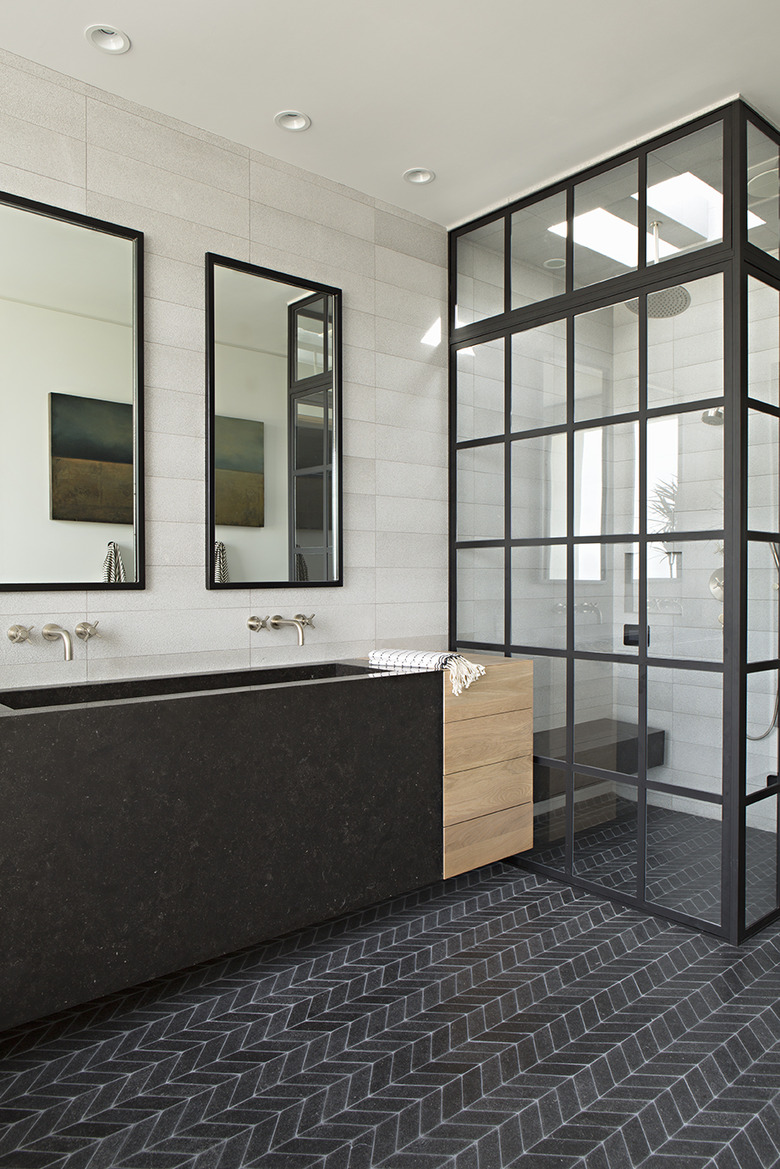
(685, 342)
(684, 474)
(761, 891)
(309, 437)
(761, 743)
(309, 500)
(538, 256)
(605, 715)
(310, 323)
(683, 614)
(539, 377)
(605, 832)
(763, 343)
(763, 472)
(685, 728)
(605, 605)
(539, 488)
(549, 846)
(763, 191)
(538, 596)
(606, 362)
(763, 563)
(480, 260)
(605, 225)
(480, 583)
(685, 194)
(683, 855)
(480, 375)
(481, 492)
(605, 469)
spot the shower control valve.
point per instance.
(19, 633)
(86, 629)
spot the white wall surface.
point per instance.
(189, 191)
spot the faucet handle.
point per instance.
(257, 623)
(86, 629)
(305, 620)
(19, 633)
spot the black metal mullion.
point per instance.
(507, 492)
(570, 569)
(644, 631)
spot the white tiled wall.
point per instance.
(189, 191)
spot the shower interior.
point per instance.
(615, 511)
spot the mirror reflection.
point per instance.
(69, 400)
(273, 407)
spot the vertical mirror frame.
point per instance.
(136, 238)
(311, 286)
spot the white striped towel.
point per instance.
(113, 568)
(399, 661)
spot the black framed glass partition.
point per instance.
(615, 515)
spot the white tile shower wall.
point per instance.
(189, 191)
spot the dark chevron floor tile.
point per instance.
(492, 1020)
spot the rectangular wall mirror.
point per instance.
(274, 428)
(71, 350)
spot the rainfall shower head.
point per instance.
(713, 417)
(668, 302)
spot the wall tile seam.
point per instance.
(58, 133)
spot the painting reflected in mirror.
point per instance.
(274, 365)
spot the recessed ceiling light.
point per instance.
(292, 120)
(419, 175)
(554, 262)
(107, 38)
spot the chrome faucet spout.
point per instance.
(277, 622)
(56, 633)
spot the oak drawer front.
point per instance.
(481, 790)
(505, 686)
(486, 839)
(475, 742)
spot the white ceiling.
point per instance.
(496, 96)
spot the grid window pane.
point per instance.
(480, 273)
(605, 225)
(685, 194)
(549, 847)
(763, 564)
(481, 492)
(606, 605)
(539, 377)
(683, 614)
(605, 832)
(685, 342)
(685, 728)
(480, 379)
(606, 362)
(539, 487)
(605, 471)
(538, 254)
(763, 191)
(761, 892)
(763, 471)
(480, 583)
(763, 342)
(684, 475)
(539, 596)
(683, 855)
(762, 734)
(606, 732)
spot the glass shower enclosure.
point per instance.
(615, 399)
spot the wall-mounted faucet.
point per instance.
(299, 622)
(56, 633)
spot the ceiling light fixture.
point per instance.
(292, 120)
(419, 175)
(695, 204)
(108, 39)
(601, 231)
(554, 262)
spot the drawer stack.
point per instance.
(488, 745)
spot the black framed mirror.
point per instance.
(273, 428)
(71, 409)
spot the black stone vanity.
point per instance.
(154, 823)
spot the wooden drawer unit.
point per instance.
(488, 743)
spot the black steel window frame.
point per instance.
(735, 257)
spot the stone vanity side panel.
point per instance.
(189, 191)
